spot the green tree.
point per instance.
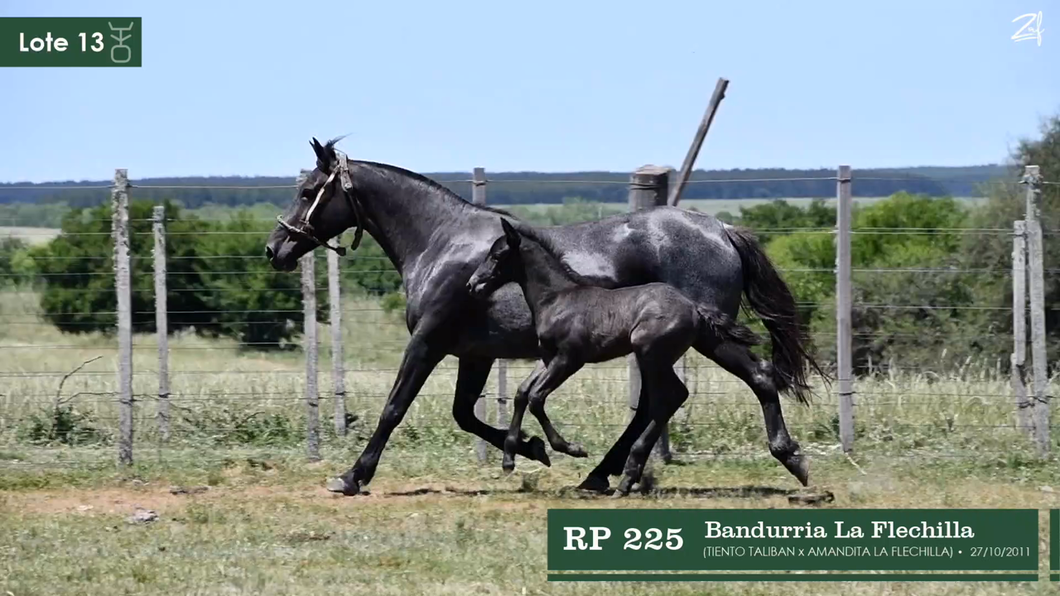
(218, 282)
(901, 253)
(991, 250)
(243, 296)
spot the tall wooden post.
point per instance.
(1036, 283)
(119, 202)
(338, 369)
(648, 187)
(844, 291)
(1024, 407)
(309, 317)
(161, 318)
(478, 197)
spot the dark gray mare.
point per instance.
(578, 323)
(436, 240)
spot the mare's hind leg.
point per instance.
(758, 375)
(535, 388)
(666, 394)
(470, 380)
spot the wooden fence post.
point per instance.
(309, 314)
(478, 197)
(1036, 282)
(844, 338)
(338, 370)
(119, 202)
(158, 227)
(1019, 326)
(648, 187)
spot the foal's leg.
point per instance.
(536, 387)
(758, 375)
(558, 443)
(666, 394)
(470, 380)
(615, 459)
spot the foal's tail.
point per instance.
(770, 299)
(721, 325)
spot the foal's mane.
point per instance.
(530, 233)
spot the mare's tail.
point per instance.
(770, 299)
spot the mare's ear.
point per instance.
(510, 233)
(323, 160)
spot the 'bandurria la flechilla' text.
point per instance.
(877, 529)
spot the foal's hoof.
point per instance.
(508, 464)
(576, 450)
(538, 452)
(596, 484)
(623, 488)
(338, 485)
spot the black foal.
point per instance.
(578, 323)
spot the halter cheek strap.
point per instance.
(305, 229)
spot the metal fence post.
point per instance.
(158, 227)
(1036, 283)
(648, 187)
(1019, 326)
(119, 202)
(309, 313)
(478, 197)
(338, 370)
(844, 338)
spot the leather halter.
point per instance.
(304, 228)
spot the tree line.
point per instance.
(932, 275)
(520, 188)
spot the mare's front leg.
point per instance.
(419, 360)
(470, 381)
(535, 388)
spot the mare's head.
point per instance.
(323, 207)
(501, 265)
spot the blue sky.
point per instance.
(238, 87)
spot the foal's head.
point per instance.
(501, 265)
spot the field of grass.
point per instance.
(436, 521)
(29, 235)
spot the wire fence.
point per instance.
(239, 365)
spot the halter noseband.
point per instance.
(304, 229)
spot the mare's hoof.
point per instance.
(799, 467)
(576, 450)
(538, 452)
(508, 465)
(596, 484)
(338, 485)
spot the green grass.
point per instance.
(266, 526)
(420, 531)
